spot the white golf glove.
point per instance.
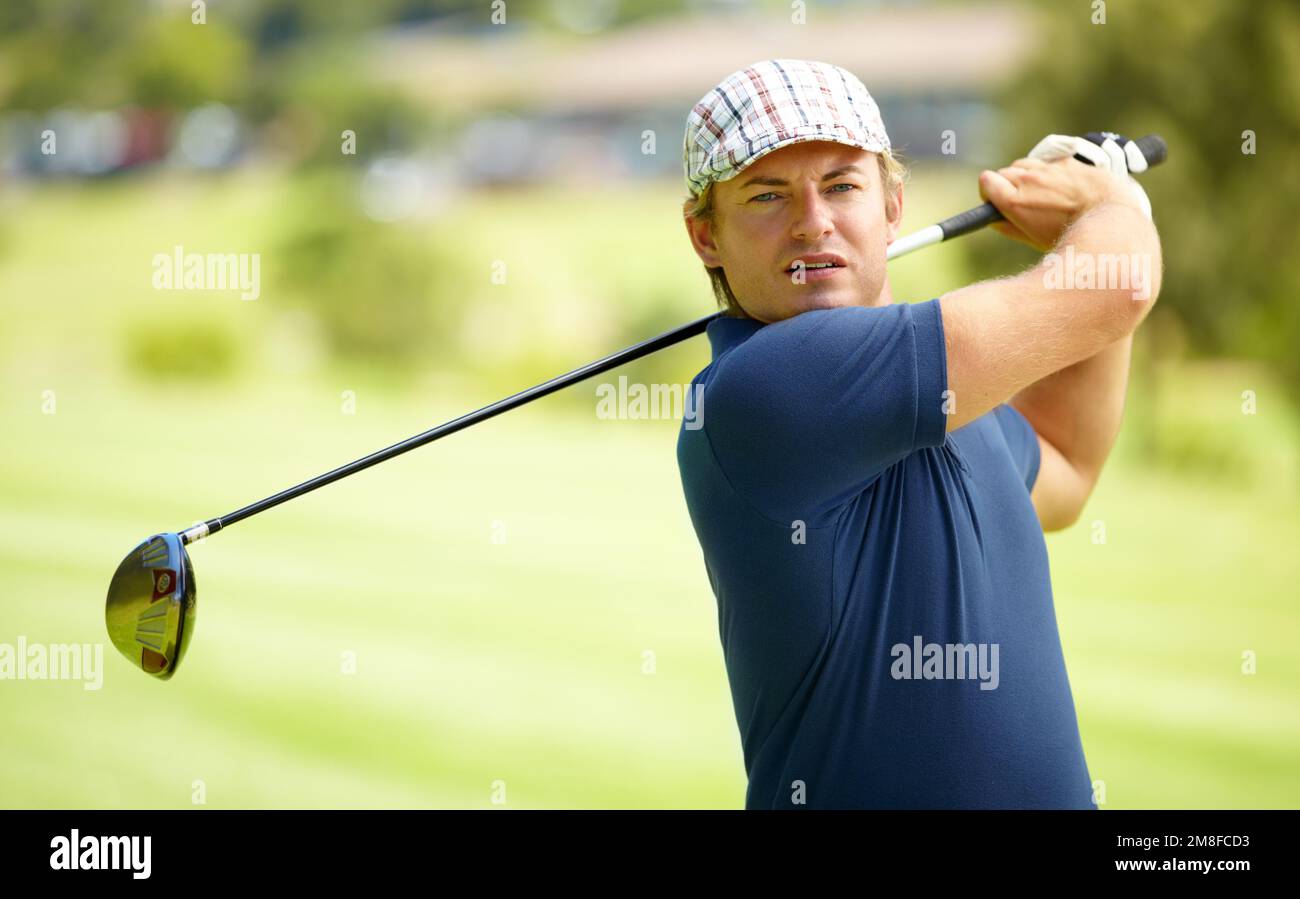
(1106, 150)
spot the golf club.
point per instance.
(151, 606)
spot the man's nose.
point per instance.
(812, 217)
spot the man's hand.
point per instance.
(1040, 199)
(1041, 194)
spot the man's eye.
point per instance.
(771, 194)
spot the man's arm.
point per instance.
(1076, 413)
(1002, 336)
(1059, 353)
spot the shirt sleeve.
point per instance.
(1023, 441)
(809, 410)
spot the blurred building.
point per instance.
(564, 106)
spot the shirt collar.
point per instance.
(727, 332)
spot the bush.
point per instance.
(191, 350)
(370, 284)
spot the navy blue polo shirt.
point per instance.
(884, 599)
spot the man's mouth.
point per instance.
(814, 262)
(813, 266)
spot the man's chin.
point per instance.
(806, 300)
(829, 299)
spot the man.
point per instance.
(871, 481)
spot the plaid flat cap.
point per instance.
(772, 104)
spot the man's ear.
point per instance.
(703, 239)
(895, 221)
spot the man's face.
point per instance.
(798, 203)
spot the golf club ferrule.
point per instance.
(199, 531)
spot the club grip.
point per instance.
(970, 220)
(1154, 149)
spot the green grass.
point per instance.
(521, 662)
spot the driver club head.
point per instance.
(151, 605)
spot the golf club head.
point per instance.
(151, 605)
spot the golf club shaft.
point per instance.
(962, 223)
(645, 348)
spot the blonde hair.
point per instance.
(893, 172)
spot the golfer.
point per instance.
(871, 480)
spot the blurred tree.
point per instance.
(172, 63)
(1202, 75)
(56, 53)
(316, 87)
